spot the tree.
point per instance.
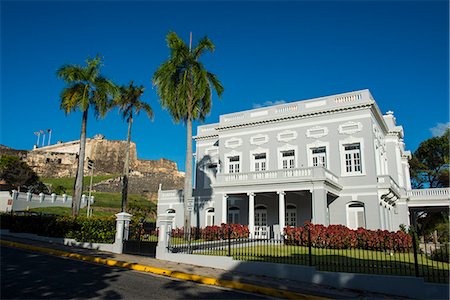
(129, 104)
(430, 163)
(85, 89)
(185, 90)
(17, 173)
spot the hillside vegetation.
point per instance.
(105, 204)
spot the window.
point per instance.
(260, 162)
(291, 215)
(288, 159)
(319, 157)
(233, 164)
(210, 217)
(233, 215)
(356, 215)
(352, 153)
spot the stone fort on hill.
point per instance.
(60, 160)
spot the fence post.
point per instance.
(309, 246)
(416, 263)
(229, 240)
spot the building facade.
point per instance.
(328, 160)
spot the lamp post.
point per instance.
(49, 136)
(90, 167)
(38, 134)
(43, 137)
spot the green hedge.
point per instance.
(93, 230)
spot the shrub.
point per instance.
(214, 233)
(441, 254)
(94, 230)
(341, 237)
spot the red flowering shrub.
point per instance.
(342, 237)
(214, 233)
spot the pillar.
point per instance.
(41, 197)
(64, 198)
(53, 197)
(122, 225)
(251, 213)
(224, 208)
(319, 206)
(382, 224)
(281, 210)
(29, 195)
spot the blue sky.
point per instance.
(265, 52)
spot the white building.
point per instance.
(328, 160)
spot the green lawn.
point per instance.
(67, 211)
(68, 183)
(346, 260)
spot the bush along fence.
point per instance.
(334, 248)
(82, 229)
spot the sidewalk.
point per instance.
(259, 284)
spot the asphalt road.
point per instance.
(29, 275)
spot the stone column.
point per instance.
(251, 213)
(41, 197)
(281, 210)
(165, 226)
(64, 198)
(83, 200)
(319, 206)
(224, 208)
(382, 225)
(29, 195)
(122, 225)
(53, 197)
(15, 194)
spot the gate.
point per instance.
(143, 239)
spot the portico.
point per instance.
(267, 213)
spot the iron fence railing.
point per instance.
(429, 261)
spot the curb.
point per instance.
(174, 274)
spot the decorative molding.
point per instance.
(259, 139)
(350, 127)
(287, 136)
(233, 143)
(212, 151)
(317, 132)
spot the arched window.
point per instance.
(356, 215)
(291, 215)
(233, 215)
(210, 217)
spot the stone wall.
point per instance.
(60, 160)
(146, 183)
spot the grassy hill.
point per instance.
(105, 204)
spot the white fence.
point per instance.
(18, 201)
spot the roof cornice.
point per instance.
(296, 116)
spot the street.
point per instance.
(29, 275)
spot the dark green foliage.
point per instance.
(94, 230)
(441, 254)
(59, 190)
(434, 221)
(17, 172)
(430, 163)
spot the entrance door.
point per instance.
(261, 228)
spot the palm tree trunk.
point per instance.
(126, 168)
(188, 176)
(78, 188)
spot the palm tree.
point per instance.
(129, 104)
(85, 88)
(185, 89)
